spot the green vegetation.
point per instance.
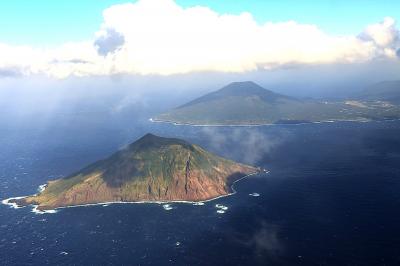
(152, 168)
(247, 103)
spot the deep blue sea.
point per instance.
(332, 197)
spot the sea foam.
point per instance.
(167, 207)
(12, 204)
(221, 208)
(37, 211)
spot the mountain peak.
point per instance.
(149, 136)
(242, 84)
(152, 169)
(238, 89)
(150, 141)
(244, 88)
(247, 103)
(247, 83)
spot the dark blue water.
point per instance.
(332, 198)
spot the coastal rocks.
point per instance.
(152, 169)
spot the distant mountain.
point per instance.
(246, 103)
(151, 169)
(240, 89)
(388, 91)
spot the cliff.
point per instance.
(151, 169)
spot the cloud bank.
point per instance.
(161, 37)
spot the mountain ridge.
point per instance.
(238, 88)
(150, 169)
(246, 103)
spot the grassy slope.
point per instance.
(143, 170)
(253, 110)
(248, 103)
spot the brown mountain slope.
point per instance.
(150, 169)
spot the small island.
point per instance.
(152, 169)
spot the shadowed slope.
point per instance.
(150, 169)
(244, 103)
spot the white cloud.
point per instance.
(383, 34)
(160, 37)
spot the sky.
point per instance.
(48, 22)
(66, 38)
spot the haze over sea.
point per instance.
(80, 80)
(331, 197)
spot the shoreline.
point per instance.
(269, 124)
(55, 210)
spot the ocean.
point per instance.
(331, 198)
